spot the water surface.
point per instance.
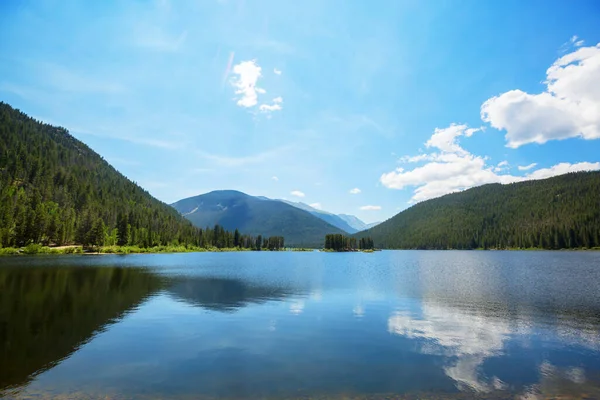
(390, 324)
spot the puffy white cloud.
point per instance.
(316, 205)
(297, 193)
(275, 178)
(569, 107)
(526, 167)
(355, 191)
(563, 168)
(454, 169)
(370, 208)
(445, 139)
(247, 74)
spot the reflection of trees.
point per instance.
(48, 313)
(223, 294)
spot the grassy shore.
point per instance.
(38, 249)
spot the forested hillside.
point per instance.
(555, 213)
(56, 190)
(256, 216)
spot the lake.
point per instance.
(390, 324)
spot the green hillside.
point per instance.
(555, 213)
(256, 216)
(56, 190)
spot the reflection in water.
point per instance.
(470, 309)
(223, 294)
(47, 313)
(466, 339)
(402, 325)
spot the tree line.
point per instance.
(562, 212)
(338, 242)
(55, 190)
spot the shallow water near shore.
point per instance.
(299, 325)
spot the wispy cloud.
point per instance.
(277, 71)
(156, 39)
(355, 191)
(228, 67)
(526, 167)
(575, 41)
(147, 141)
(234, 162)
(370, 208)
(276, 179)
(297, 193)
(318, 206)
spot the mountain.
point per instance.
(356, 223)
(256, 216)
(554, 213)
(328, 217)
(56, 190)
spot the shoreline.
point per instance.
(123, 250)
(81, 250)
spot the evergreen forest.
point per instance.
(55, 190)
(562, 212)
(337, 242)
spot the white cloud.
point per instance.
(297, 193)
(268, 108)
(370, 208)
(502, 165)
(563, 168)
(570, 106)
(355, 191)
(445, 139)
(277, 71)
(575, 42)
(276, 106)
(247, 74)
(275, 178)
(456, 169)
(316, 205)
(526, 167)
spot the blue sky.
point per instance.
(402, 100)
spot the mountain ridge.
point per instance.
(253, 215)
(554, 213)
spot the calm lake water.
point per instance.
(392, 324)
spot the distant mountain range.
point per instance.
(554, 213)
(256, 216)
(347, 223)
(299, 223)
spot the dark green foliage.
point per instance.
(555, 213)
(47, 313)
(54, 190)
(344, 243)
(273, 243)
(256, 216)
